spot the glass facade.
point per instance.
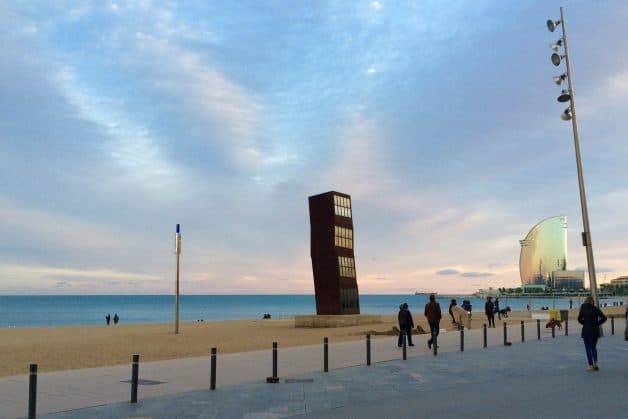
(346, 267)
(342, 206)
(543, 251)
(343, 237)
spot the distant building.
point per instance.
(570, 280)
(331, 249)
(534, 289)
(621, 281)
(543, 251)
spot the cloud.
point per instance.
(448, 271)
(476, 274)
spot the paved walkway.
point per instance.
(70, 390)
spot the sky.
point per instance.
(120, 120)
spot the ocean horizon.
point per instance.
(66, 310)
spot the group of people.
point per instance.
(116, 319)
(490, 309)
(589, 316)
(406, 323)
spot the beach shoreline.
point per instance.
(76, 347)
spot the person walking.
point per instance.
(499, 314)
(108, 319)
(116, 319)
(433, 314)
(405, 325)
(489, 310)
(451, 313)
(591, 318)
(570, 303)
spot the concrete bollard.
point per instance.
(405, 347)
(612, 325)
(368, 349)
(485, 337)
(32, 392)
(523, 332)
(325, 354)
(538, 329)
(135, 372)
(274, 379)
(461, 338)
(212, 377)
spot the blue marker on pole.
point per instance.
(178, 228)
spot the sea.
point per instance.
(66, 310)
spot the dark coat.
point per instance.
(405, 319)
(432, 312)
(591, 318)
(489, 308)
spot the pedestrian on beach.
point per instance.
(406, 323)
(591, 318)
(489, 310)
(108, 319)
(116, 319)
(433, 315)
(499, 315)
(570, 303)
(451, 313)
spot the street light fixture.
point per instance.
(557, 59)
(564, 97)
(569, 114)
(566, 115)
(559, 79)
(552, 24)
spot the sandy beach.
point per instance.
(64, 348)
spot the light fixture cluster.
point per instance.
(557, 59)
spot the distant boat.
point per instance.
(425, 293)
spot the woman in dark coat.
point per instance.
(591, 318)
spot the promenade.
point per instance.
(540, 375)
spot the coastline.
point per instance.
(75, 347)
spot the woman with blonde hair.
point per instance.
(591, 318)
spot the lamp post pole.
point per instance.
(177, 251)
(586, 234)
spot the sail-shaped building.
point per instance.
(544, 251)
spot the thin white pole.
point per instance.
(177, 251)
(586, 234)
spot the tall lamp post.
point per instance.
(177, 252)
(567, 95)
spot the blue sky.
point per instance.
(122, 119)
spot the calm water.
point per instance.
(31, 311)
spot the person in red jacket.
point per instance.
(433, 315)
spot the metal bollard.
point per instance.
(553, 331)
(212, 377)
(274, 379)
(485, 337)
(505, 335)
(368, 349)
(135, 370)
(538, 329)
(461, 338)
(566, 327)
(612, 325)
(405, 347)
(325, 355)
(523, 332)
(32, 392)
